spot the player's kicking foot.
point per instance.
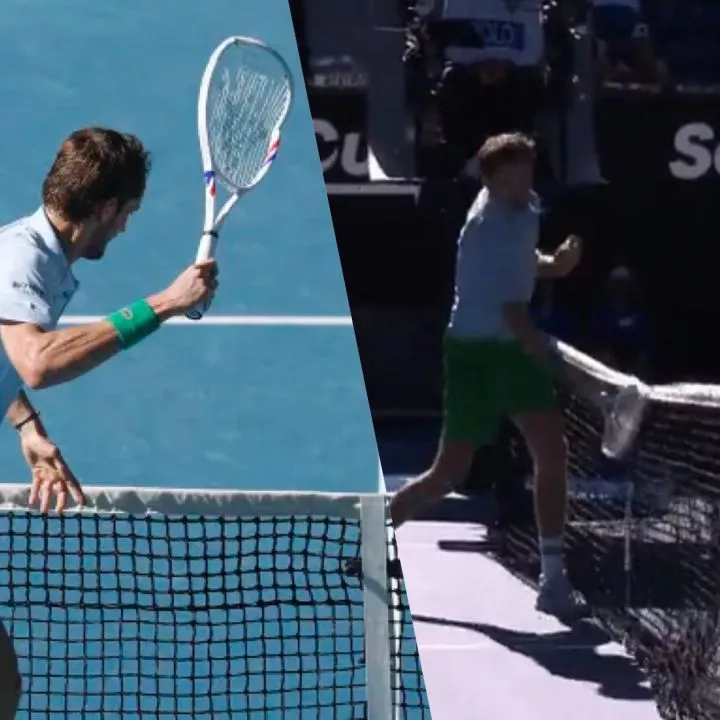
(557, 597)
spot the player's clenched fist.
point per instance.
(195, 286)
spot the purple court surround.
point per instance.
(488, 655)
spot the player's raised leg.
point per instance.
(451, 465)
(470, 420)
(465, 425)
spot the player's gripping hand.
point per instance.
(195, 286)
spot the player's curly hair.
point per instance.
(505, 149)
(95, 165)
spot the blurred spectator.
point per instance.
(687, 34)
(493, 55)
(577, 137)
(424, 67)
(624, 45)
(621, 333)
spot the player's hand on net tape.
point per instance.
(193, 289)
(52, 479)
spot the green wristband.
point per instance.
(134, 323)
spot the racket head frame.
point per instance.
(623, 420)
(213, 223)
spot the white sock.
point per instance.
(552, 557)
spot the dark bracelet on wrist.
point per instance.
(33, 416)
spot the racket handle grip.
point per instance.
(197, 312)
(206, 248)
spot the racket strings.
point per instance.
(237, 132)
(248, 101)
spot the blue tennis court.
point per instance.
(232, 405)
(266, 394)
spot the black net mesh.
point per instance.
(158, 617)
(644, 537)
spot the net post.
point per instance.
(375, 603)
(396, 620)
(395, 613)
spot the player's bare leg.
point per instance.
(543, 432)
(450, 467)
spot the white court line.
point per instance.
(245, 320)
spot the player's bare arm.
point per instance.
(541, 346)
(46, 358)
(21, 412)
(51, 475)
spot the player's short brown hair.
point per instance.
(95, 165)
(505, 149)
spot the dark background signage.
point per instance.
(655, 138)
(661, 156)
(340, 120)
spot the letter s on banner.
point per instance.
(695, 144)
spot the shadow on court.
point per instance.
(571, 654)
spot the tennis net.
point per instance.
(207, 604)
(644, 536)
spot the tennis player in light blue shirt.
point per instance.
(86, 204)
(496, 264)
(36, 283)
(95, 184)
(497, 363)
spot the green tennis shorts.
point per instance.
(487, 381)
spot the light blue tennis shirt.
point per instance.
(36, 284)
(496, 265)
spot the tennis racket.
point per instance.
(245, 97)
(623, 420)
(622, 409)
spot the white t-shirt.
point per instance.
(36, 284)
(510, 30)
